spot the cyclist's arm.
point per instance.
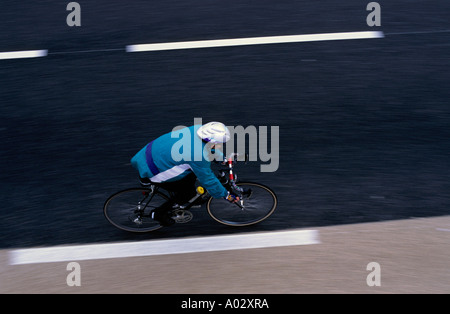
(208, 180)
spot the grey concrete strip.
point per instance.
(412, 256)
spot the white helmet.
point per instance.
(214, 132)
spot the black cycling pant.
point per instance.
(181, 191)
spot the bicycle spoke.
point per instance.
(258, 206)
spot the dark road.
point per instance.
(363, 124)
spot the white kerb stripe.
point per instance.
(163, 247)
(23, 54)
(254, 41)
(170, 173)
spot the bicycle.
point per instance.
(131, 209)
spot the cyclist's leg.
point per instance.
(181, 191)
(184, 189)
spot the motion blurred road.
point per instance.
(364, 124)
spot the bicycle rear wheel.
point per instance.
(259, 203)
(131, 209)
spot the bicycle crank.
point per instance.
(182, 216)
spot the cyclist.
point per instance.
(159, 162)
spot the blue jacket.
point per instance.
(174, 155)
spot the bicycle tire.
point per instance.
(258, 207)
(121, 209)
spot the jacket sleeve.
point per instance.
(208, 180)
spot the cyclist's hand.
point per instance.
(232, 198)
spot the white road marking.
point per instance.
(254, 41)
(23, 54)
(163, 247)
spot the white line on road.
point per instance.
(23, 54)
(254, 41)
(163, 247)
(210, 43)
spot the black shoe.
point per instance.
(164, 219)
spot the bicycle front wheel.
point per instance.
(131, 209)
(259, 203)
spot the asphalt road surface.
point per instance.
(364, 124)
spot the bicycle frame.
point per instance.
(150, 193)
(232, 178)
(231, 182)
